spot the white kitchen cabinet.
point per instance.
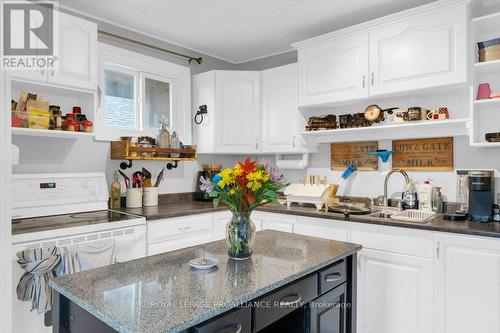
(422, 51)
(333, 70)
(280, 222)
(282, 122)
(468, 287)
(394, 293)
(232, 124)
(175, 233)
(424, 47)
(324, 228)
(76, 58)
(220, 221)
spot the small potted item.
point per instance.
(439, 114)
(360, 121)
(72, 125)
(87, 126)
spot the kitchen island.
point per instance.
(292, 283)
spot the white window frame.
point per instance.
(179, 78)
(143, 77)
(136, 75)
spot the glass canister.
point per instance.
(462, 191)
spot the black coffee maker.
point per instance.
(481, 195)
(209, 171)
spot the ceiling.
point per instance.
(237, 30)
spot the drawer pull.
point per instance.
(333, 277)
(226, 328)
(291, 303)
(186, 228)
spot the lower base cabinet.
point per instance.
(394, 293)
(467, 284)
(327, 314)
(239, 320)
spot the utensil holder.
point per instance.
(150, 197)
(134, 197)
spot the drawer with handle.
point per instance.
(176, 228)
(276, 305)
(235, 321)
(332, 276)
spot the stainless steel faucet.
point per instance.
(407, 180)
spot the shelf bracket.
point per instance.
(171, 166)
(124, 165)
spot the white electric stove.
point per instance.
(64, 210)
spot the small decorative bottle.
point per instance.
(175, 144)
(116, 191)
(163, 136)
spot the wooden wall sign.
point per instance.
(423, 154)
(342, 154)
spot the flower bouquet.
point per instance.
(243, 188)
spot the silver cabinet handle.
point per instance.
(42, 70)
(372, 79)
(364, 81)
(237, 328)
(291, 303)
(438, 246)
(184, 228)
(257, 143)
(333, 277)
(293, 142)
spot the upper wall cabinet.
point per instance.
(423, 51)
(282, 122)
(76, 59)
(424, 47)
(232, 124)
(334, 70)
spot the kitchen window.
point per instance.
(139, 92)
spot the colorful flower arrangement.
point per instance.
(245, 187)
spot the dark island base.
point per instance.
(323, 301)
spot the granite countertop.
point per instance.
(174, 209)
(168, 210)
(162, 293)
(438, 223)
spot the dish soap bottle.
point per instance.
(425, 196)
(175, 144)
(437, 200)
(116, 191)
(409, 197)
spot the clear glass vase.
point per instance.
(240, 236)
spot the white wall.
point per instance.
(371, 183)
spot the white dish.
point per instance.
(200, 263)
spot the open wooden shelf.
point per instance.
(122, 150)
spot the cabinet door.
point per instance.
(280, 222)
(323, 228)
(468, 284)
(394, 293)
(280, 116)
(422, 51)
(334, 71)
(328, 312)
(237, 101)
(77, 59)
